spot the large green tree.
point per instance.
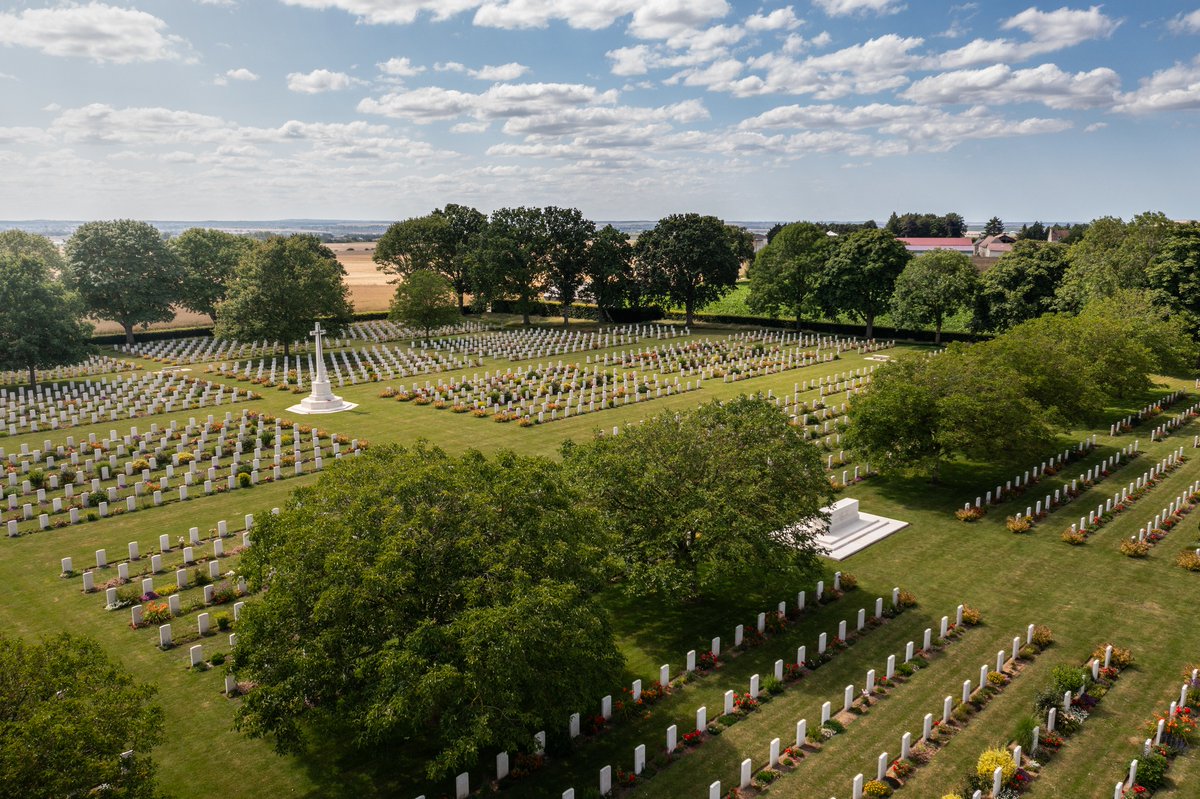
(441, 241)
(921, 411)
(1112, 255)
(926, 225)
(1174, 274)
(785, 273)
(691, 260)
(935, 285)
(425, 300)
(42, 324)
(1021, 286)
(16, 243)
(207, 259)
(69, 716)
(860, 276)
(123, 271)
(697, 496)
(994, 227)
(280, 288)
(510, 258)
(567, 238)
(609, 271)
(440, 603)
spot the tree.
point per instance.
(920, 412)
(1021, 286)
(509, 259)
(860, 276)
(441, 241)
(207, 260)
(994, 227)
(426, 300)
(926, 225)
(69, 715)
(933, 286)
(702, 494)
(609, 270)
(15, 244)
(1035, 232)
(281, 288)
(42, 324)
(691, 260)
(1174, 274)
(785, 273)
(1112, 255)
(418, 599)
(1165, 334)
(567, 236)
(123, 271)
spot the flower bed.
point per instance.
(1179, 734)
(1076, 535)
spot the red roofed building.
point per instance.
(917, 245)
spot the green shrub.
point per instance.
(773, 686)
(224, 621)
(1067, 678)
(1024, 732)
(243, 480)
(907, 669)
(1152, 771)
(835, 725)
(218, 659)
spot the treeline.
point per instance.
(808, 274)
(523, 253)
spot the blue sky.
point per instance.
(381, 109)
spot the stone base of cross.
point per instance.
(321, 398)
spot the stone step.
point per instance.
(872, 530)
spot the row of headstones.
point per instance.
(751, 367)
(531, 378)
(521, 345)
(1129, 421)
(1170, 510)
(730, 347)
(848, 696)
(672, 735)
(164, 547)
(379, 362)
(1155, 471)
(1150, 743)
(1165, 429)
(129, 401)
(142, 452)
(203, 621)
(883, 762)
(1056, 462)
(1062, 496)
(93, 365)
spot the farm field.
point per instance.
(1088, 595)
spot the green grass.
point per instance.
(1087, 594)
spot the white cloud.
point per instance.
(839, 8)
(501, 101)
(96, 31)
(500, 72)
(400, 68)
(319, 80)
(1001, 85)
(582, 14)
(1095, 126)
(241, 73)
(628, 61)
(877, 65)
(1049, 31)
(1176, 88)
(663, 19)
(449, 66)
(390, 12)
(470, 127)
(779, 19)
(6, 76)
(1186, 23)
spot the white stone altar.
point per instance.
(321, 399)
(850, 530)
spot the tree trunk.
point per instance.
(937, 331)
(462, 307)
(128, 332)
(870, 318)
(566, 312)
(287, 347)
(32, 377)
(688, 308)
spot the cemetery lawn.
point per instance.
(1088, 595)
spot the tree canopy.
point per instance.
(207, 260)
(994, 227)
(440, 241)
(509, 259)
(609, 271)
(69, 715)
(926, 225)
(416, 598)
(425, 300)
(1174, 273)
(860, 276)
(785, 274)
(16, 243)
(42, 325)
(695, 496)
(1112, 255)
(123, 271)
(691, 260)
(935, 285)
(567, 238)
(1021, 286)
(280, 288)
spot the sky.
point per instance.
(625, 109)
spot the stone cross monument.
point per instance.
(322, 398)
